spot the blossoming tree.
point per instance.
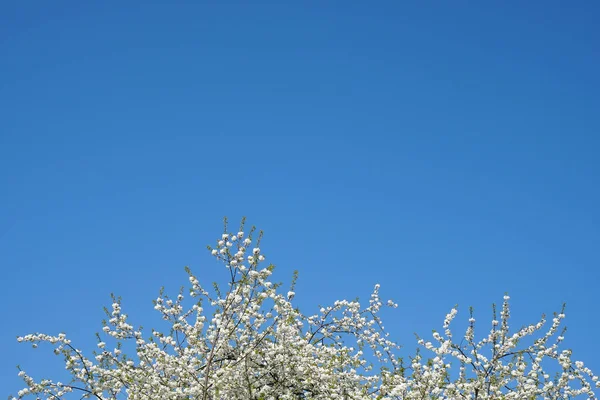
(248, 341)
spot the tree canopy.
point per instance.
(248, 341)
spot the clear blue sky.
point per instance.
(448, 150)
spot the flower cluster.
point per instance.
(250, 342)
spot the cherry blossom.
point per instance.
(248, 341)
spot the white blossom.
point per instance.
(248, 342)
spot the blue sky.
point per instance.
(447, 151)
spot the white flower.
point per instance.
(256, 340)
